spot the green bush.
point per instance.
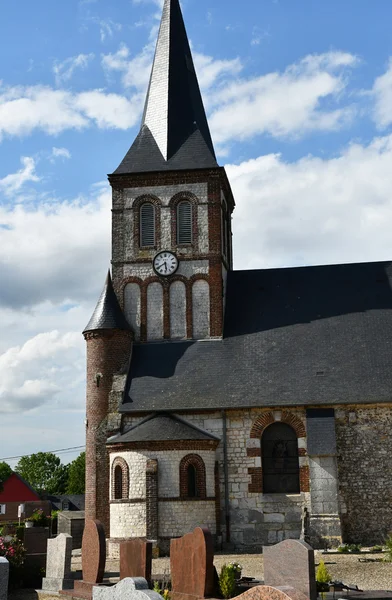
(323, 577)
(227, 581)
(388, 548)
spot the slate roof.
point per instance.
(162, 427)
(107, 313)
(174, 133)
(74, 501)
(295, 336)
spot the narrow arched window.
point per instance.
(118, 483)
(192, 481)
(147, 224)
(280, 464)
(184, 222)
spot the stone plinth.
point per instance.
(58, 564)
(4, 574)
(192, 565)
(136, 559)
(291, 563)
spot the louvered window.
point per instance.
(147, 225)
(184, 223)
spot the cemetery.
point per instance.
(288, 570)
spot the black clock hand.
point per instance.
(165, 267)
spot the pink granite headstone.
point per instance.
(93, 552)
(192, 565)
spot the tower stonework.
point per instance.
(109, 347)
(190, 303)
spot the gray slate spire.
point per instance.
(107, 313)
(174, 132)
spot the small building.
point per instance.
(16, 491)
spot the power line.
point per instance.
(52, 451)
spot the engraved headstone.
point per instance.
(58, 564)
(4, 574)
(93, 552)
(136, 559)
(192, 565)
(291, 563)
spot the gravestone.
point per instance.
(135, 588)
(192, 565)
(266, 592)
(290, 563)
(93, 552)
(58, 564)
(4, 574)
(136, 559)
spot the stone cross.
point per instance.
(4, 574)
(58, 564)
(290, 563)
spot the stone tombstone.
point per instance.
(130, 588)
(192, 565)
(136, 559)
(291, 563)
(266, 592)
(58, 564)
(4, 574)
(93, 552)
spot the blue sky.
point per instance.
(299, 99)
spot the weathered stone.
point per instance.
(291, 563)
(58, 564)
(4, 574)
(93, 552)
(130, 588)
(192, 565)
(136, 559)
(265, 592)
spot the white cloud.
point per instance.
(64, 70)
(382, 91)
(59, 153)
(107, 27)
(135, 71)
(314, 211)
(211, 71)
(283, 104)
(15, 181)
(31, 375)
(25, 109)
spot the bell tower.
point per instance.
(172, 206)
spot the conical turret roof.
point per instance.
(174, 133)
(107, 313)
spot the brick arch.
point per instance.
(198, 463)
(175, 200)
(120, 462)
(268, 418)
(137, 203)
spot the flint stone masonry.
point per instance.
(291, 563)
(131, 588)
(166, 192)
(364, 437)
(4, 575)
(58, 564)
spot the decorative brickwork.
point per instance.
(152, 499)
(295, 422)
(108, 351)
(166, 445)
(120, 493)
(304, 479)
(256, 484)
(253, 452)
(260, 424)
(197, 462)
(151, 199)
(174, 202)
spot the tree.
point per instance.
(5, 472)
(77, 475)
(44, 472)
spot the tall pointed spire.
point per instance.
(174, 132)
(107, 313)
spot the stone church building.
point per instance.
(257, 403)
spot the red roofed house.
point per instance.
(15, 491)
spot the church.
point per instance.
(257, 403)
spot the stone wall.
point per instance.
(127, 519)
(178, 518)
(364, 442)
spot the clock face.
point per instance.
(165, 263)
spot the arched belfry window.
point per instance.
(184, 222)
(118, 482)
(147, 225)
(280, 464)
